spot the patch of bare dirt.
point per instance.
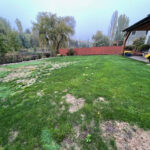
(127, 137)
(75, 104)
(69, 144)
(74, 140)
(13, 136)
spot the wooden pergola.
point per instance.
(142, 25)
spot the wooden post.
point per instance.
(125, 40)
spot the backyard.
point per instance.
(77, 102)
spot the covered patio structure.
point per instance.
(142, 25)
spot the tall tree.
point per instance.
(113, 26)
(123, 22)
(14, 41)
(5, 29)
(100, 39)
(19, 25)
(34, 38)
(3, 45)
(28, 31)
(9, 39)
(4, 26)
(54, 31)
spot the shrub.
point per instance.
(138, 42)
(143, 47)
(39, 55)
(34, 57)
(70, 52)
(120, 43)
(114, 44)
(47, 55)
(130, 47)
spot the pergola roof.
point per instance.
(141, 25)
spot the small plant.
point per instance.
(70, 52)
(130, 47)
(47, 55)
(138, 42)
(143, 47)
(88, 138)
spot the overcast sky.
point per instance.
(90, 15)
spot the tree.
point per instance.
(25, 40)
(19, 25)
(54, 31)
(34, 41)
(138, 42)
(100, 39)
(5, 28)
(28, 31)
(113, 26)
(3, 45)
(123, 22)
(24, 37)
(14, 41)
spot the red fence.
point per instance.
(106, 50)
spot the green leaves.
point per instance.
(53, 30)
(100, 39)
(88, 138)
(47, 141)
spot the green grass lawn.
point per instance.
(32, 103)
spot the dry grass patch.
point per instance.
(40, 93)
(22, 72)
(102, 99)
(75, 104)
(4, 69)
(13, 136)
(59, 65)
(127, 137)
(27, 82)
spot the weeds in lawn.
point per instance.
(102, 88)
(88, 138)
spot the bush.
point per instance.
(138, 42)
(143, 47)
(39, 55)
(47, 55)
(114, 44)
(70, 52)
(130, 47)
(34, 57)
